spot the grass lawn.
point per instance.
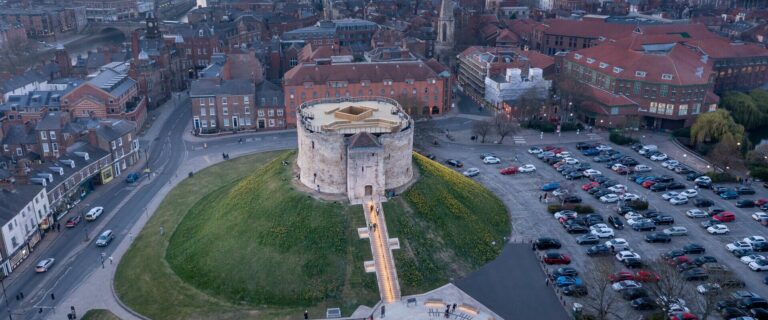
(240, 242)
(446, 224)
(99, 314)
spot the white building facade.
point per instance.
(24, 207)
(514, 84)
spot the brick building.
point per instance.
(109, 10)
(222, 105)
(412, 80)
(119, 138)
(641, 80)
(11, 34)
(45, 22)
(354, 34)
(110, 94)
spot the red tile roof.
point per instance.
(722, 48)
(507, 36)
(607, 98)
(356, 72)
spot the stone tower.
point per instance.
(445, 28)
(64, 61)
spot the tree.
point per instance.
(712, 126)
(411, 104)
(743, 109)
(670, 285)
(725, 151)
(529, 104)
(482, 128)
(504, 125)
(18, 53)
(705, 304)
(600, 300)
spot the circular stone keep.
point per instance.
(358, 146)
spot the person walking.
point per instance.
(453, 308)
(111, 260)
(540, 196)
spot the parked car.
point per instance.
(625, 284)
(454, 163)
(94, 213)
(690, 193)
(641, 168)
(471, 172)
(729, 195)
(616, 222)
(73, 221)
(695, 274)
(657, 237)
(663, 219)
(535, 150)
(702, 202)
(745, 203)
(599, 249)
(718, 229)
(704, 259)
(588, 239)
(509, 170)
(491, 160)
(546, 244)
(694, 248)
(550, 186)
(724, 217)
(133, 177)
(644, 226)
(644, 303)
(745, 190)
(527, 168)
(676, 231)
(696, 213)
(738, 245)
(44, 265)
(679, 200)
(572, 199)
(556, 258)
(575, 290)
(617, 244)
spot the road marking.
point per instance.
(593, 136)
(519, 139)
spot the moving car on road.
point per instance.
(44, 265)
(105, 238)
(72, 221)
(94, 213)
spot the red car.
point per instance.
(647, 184)
(590, 185)
(72, 222)
(725, 216)
(558, 150)
(621, 276)
(548, 148)
(683, 316)
(760, 202)
(646, 276)
(679, 260)
(508, 170)
(556, 258)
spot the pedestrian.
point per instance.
(540, 197)
(382, 311)
(22, 295)
(447, 314)
(306, 315)
(546, 281)
(111, 260)
(224, 156)
(378, 210)
(453, 309)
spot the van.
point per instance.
(94, 213)
(648, 149)
(105, 238)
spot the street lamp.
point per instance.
(7, 305)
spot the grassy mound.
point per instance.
(447, 225)
(241, 243)
(99, 314)
(261, 242)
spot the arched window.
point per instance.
(445, 30)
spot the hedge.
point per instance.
(760, 172)
(541, 125)
(579, 208)
(720, 177)
(620, 139)
(638, 205)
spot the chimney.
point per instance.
(135, 44)
(8, 185)
(20, 174)
(93, 139)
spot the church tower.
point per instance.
(445, 27)
(153, 29)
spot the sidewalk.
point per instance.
(524, 137)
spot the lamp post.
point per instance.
(7, 305)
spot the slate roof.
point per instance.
(113, 81)
(50, 121)
(268, 91)
(19, 134)
(14, 202)
(209, 88)
(363, 140)
(116, 130)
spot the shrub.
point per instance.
(638, 205)
(571, 126)
(620, 139)
(552, 208)
(718, 177)
(582, 208)
(541, 125)
(682, 133)
(760, 172)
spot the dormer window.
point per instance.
(577, 56)
(603, 65)
(666, 76)
(617, 70)
(200, 32)
(640, 74)
(590, 60)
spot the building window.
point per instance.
(261, 113)
(696, 108)
(271, 122)
(213, 123)
(279, 112)
(712, 107)
(114, 145)
(202, 111)
(274, 101)
(638, 84)
(53, 135)
(670, 109)
(211, 101)
(603, 65)
(19, 152)
(666, 76)
(246, 100)
(271, 112)
(663, 90)
(652, 109)
(204, 123)
(120, 141)
(212, 111)
(617, 70)
(43, 135)
(640, 74)
(45, 147)
(226, 122)
(247, 110)
(224, 100)
(225, 111)
(615, 110)
(202, 101)
(5, 148)
(683, 110)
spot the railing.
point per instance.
(305, 116)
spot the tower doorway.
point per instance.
(368, 190)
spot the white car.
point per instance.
(670, 164)
(591, 172)
(642, 168)
(603, 147)
(626, 254)
(632, 222)
(629, 197)
(625, 284)
(676, 308)
(696, 213)
(759, 265)
(617, 244)
(690, 193)
(718, 229)
(602, 232)
(751, 258)
(491, 160)
(609, 198)
(564, 154)
(753, 239)
(535, 150)
(704, 179)
(633, 215)
(676, 231)
(757, 216)
(733, 246)
(94, 213)
(567, 214)
(571, 161)
(707, 288)
(678, 200)
(659, 157)
(527, 168)
(618, 188)
(670, 195)
(559, 192)
(471, 172)
(618, 166)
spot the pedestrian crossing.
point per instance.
(519, 139)
(593, 136)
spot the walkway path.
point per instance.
(384, 262)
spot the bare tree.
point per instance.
(669, 286)
(726, 152)
(529, 104)
(412, 105)
(718, 287)
(482, 128)
(601, 301)
(504, 125)
(18, 54)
